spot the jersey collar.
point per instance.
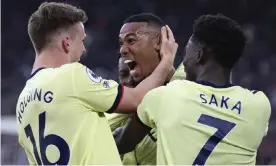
(206, 83)
(35, 72)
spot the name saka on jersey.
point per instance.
(221, 102)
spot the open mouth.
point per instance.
(131, 64)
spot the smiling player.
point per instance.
(140, 52)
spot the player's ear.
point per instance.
(202, 55)
(157, 42)
(66, 44)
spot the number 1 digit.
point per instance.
(223, 126)
(29, 134)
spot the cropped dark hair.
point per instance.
(223, 35)
(149, 18)
(49, 18)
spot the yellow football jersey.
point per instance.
(60, 117)
(145, 151)
(205, 124)
(179, 73)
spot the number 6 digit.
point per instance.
(29, 133)
(52, 139)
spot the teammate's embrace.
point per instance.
(140, 52)
(205, 120)
(60, 110)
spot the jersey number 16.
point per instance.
(45, 141)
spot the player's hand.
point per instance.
(168, 45)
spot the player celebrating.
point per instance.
(140, 48)
(60, 110)
(205, 120)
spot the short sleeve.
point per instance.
(262, 103)
(99, 94)
(146, 115)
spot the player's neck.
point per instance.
(215, 75)
(49, 59)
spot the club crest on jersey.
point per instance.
(93, 76)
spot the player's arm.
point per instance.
(108, 96)
(127, 137)
(132, 97)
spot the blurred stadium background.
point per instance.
(256, 70)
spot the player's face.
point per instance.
(190, 60)
(139, 49)
(124, 74)
(77, 46)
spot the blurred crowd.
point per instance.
(256, 70)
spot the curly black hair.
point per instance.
(223, 35)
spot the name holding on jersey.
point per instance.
(34, 95)
(222, 102)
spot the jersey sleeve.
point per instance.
(99, 94)
(264, 104)
(146, 115)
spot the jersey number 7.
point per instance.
(47, 140)
(223, 126)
